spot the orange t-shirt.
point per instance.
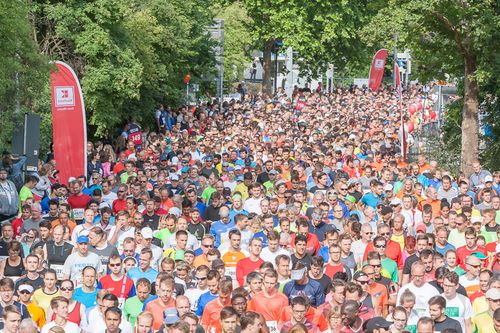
(379, 290)
(156, 308)
(315, 316)
(210, 320)
(271, 307)
(71, 225)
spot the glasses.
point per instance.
(338, 211)
(24, 292)
(362, 282)
(385, 234)
(475, 266)
(369, 233)
(66, 289)
(115, 265)
(207, 245)
(201, 278)
(343, 189)
(380, 246)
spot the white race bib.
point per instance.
(59, 270)
(78, 213)
(272, 325)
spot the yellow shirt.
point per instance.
(399, 239)
(483, 323)
(42, 299)
(480, 305)
(37, 314)
(243, 189)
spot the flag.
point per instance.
(68, 122)
(399, 90)
(377, 70)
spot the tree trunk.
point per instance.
(470, 121)
(267, 87)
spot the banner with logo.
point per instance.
(377, 69)
(68, 122)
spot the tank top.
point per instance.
(74, 315)
(13, 270)
(56, 255)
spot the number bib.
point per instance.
(272, 325)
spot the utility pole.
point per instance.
(395, 57)
(217, 33)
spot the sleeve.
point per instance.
(132, 292)
(205, 319)
(468, 313)
(320, 296)
(240, 273)
(67, 265)
(407, 266)
(199, 308)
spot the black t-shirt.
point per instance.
(152, 221)
(409, 261)
(325, 283)
(307, 260)
(447, 323)
(36, 283)
(461, 290)
(211, 214)
(198, 230)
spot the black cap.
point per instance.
(217, 263)
(376, 322)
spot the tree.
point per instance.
(130, 55)
(455, 37)
(321, 32)
(23, 70)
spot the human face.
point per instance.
(182, 305)
(428, 263)
(299, 312)
(144, 261)
(256, 248)
(408, 306)
(12, 322)
(49, 280)
(201, 278)
(67, 290)
(235, 241)
(89, 278)
(450, 289)
(470, 241)
(339, 295)
(112, 320)
(334, 254)
(473, 266)
(435, 311)
(386, 233)
(62, 310)
(284, 268)
(399, 318)
(229, 324)
(417, 275)
(115, 265)
(377, 267)
(83, 248)
(213, 286)
(300, 248)
(427, 328)
(380, 247)
(142, 292)
(165, 292)
(144, 325)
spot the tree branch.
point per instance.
(456, 34)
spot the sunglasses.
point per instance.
(209, 245)
(24, 292)
(362, 282)
(201, 278)
(66, 289)
(115, 265)
(380, 246)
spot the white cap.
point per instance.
(297, 274)
(488, 179)
(147, 233)
(388, 187)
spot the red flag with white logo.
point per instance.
(377, 69)
(68, 122)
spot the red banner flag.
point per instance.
(68, 122)
(377, 69)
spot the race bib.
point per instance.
(78, 213)
(273, 326)
(59, 270)
(121, 302)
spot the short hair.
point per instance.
(189, 315)
(10, 309)
(352, 287)
(317, 261)
(407, 296)
(300, 238)
(226, 286)
(253, 276)
(248, 318)
(300, 300)
(425, 321)
(337, 283)
(7, 282)
(143, 282)
(438, 300)
(115, 310)
(181, 326)
(426, 254)
(228, 312)
(54, 303)
(452, 277)
(281, 257)
(373, 255)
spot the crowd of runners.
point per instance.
(293, 215)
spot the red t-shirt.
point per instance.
(392, 251)
(463, 252)
(123, 288)
(16, 226)
(330, 269)
(312, 246)
(244, 267)
(79, 201)
(119, 205)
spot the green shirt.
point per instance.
(132, 308)
(163, 234)
(24, 193)
(207, 193)
(391, 267)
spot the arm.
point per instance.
(2, 267)
(468, 325)
(114, 236)
(405, 279)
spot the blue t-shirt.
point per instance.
(218, 228)
(312, 289)
(371, 200)
(444, 249)
(136, 273)
(204, 300)
(87, 299)
(262, 236)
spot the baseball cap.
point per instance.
(395, 202)
(179, 255)
(170, 316)
(217, 263)
(479, 255)
(147, 233)
(375, 323)
(25, 287)
(388, 187)
(488, 179)
(476, 219)
(350, 198)
(163, 157)
(174, 177)
(493, 294)
(386, 210)
(421, 228)
(359, 274)
(237, 167)
(273, 172)
(82, 239)
(185, 169)
(209, 158)
(297, 274)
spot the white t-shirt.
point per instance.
(193, 295)
(252, 205)
(75, 264)
(358, 250)
(192, 242)
(122, 234)
(422, 296)
(70, 327)
(109, 198)
(458, 308)
(80, 230)
(97, 324)
(269, 256)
